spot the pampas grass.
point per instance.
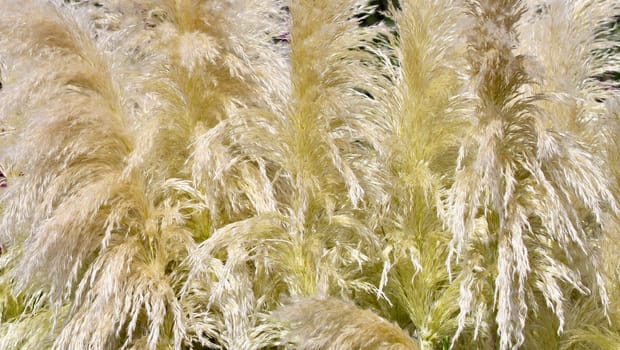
(262, 174)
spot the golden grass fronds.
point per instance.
(201, 174)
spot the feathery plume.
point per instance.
(82, 230)
(423, 123)
(313, 323)
(533, 189)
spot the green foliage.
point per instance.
(260, 174)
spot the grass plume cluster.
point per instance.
(245, 174)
